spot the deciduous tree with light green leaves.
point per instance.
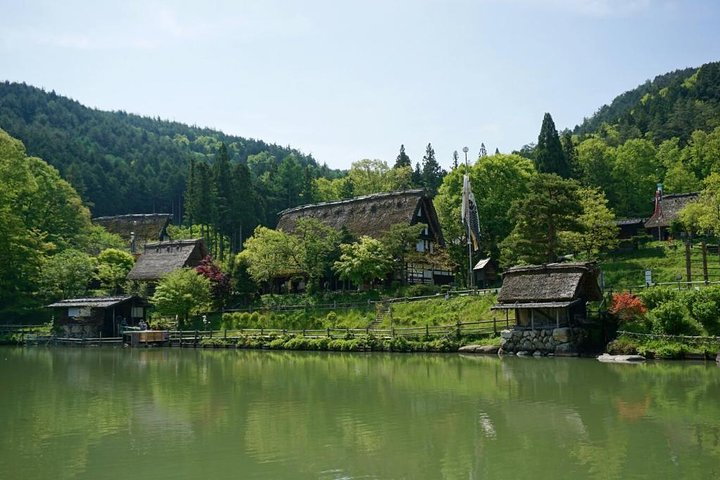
(113, 266)
(182, 293)
(270, 254)
(363, 262)
(598, 231)
(703, 215)
(66, 275)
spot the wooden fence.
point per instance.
(484, 327)
(194, 338)
(686, 339)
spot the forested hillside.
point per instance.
(672, 105)
(124, 163)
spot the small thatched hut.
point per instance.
(666, 212)
(373, 215)
(159, 259)
(139, 228)
(100, 316)
(549, 295)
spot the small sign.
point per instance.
(648, 277)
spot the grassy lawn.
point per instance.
(666, 260)
(439, 311)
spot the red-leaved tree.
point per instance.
(219, 282)
(627, 307)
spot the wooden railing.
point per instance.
(483, 327)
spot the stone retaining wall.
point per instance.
(563, 341)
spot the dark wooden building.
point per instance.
(486, 273)
(373, 215)
(550, 295)
(630, 227)
(100, 316)
(666, 212)
(159, 259)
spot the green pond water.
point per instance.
(95, 413)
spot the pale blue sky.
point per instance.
(346, 80)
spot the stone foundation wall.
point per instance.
(563, 341)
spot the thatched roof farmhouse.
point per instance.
(146, 227)
(373, 215)
(666, 212)
(370, 215)
(159, 259)
(552, 294)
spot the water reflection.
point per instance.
(111, 413)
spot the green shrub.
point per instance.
(669, 318)
(622, 346)
(655, 296)
(421, 290)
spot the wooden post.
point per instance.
(688, 268)
(532, 318)
(706, 278)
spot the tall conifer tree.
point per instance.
(432, 173)
(549, 155)
(402, 159)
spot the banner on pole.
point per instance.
(469, 213)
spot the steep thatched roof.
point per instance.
(555, 282)
(161, 258)
(148, 227)
(94, 302)
(370, 215)
(670, 206)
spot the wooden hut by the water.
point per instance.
(159, 259)
(549, 295)
(667, 208)
(98, 316)
(374, 215)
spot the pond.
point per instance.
(167, 413)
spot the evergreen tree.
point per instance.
(497, 150)
(417, 175)
(570, 153)
(483, 151)
(549, 155)
(541, 217)
(402, 159)
(223, 192)
(432, 174)
(456, 160)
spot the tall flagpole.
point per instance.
(467, 223)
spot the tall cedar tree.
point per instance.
(432, 174)
(549, 155)
(402, 159)
(222, 180)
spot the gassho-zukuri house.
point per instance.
(373, 215)
(159, 259)
(550, 305)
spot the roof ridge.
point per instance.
(396, 193)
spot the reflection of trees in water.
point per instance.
(385, 415)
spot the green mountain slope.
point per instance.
(672, 105)
(124, 163)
